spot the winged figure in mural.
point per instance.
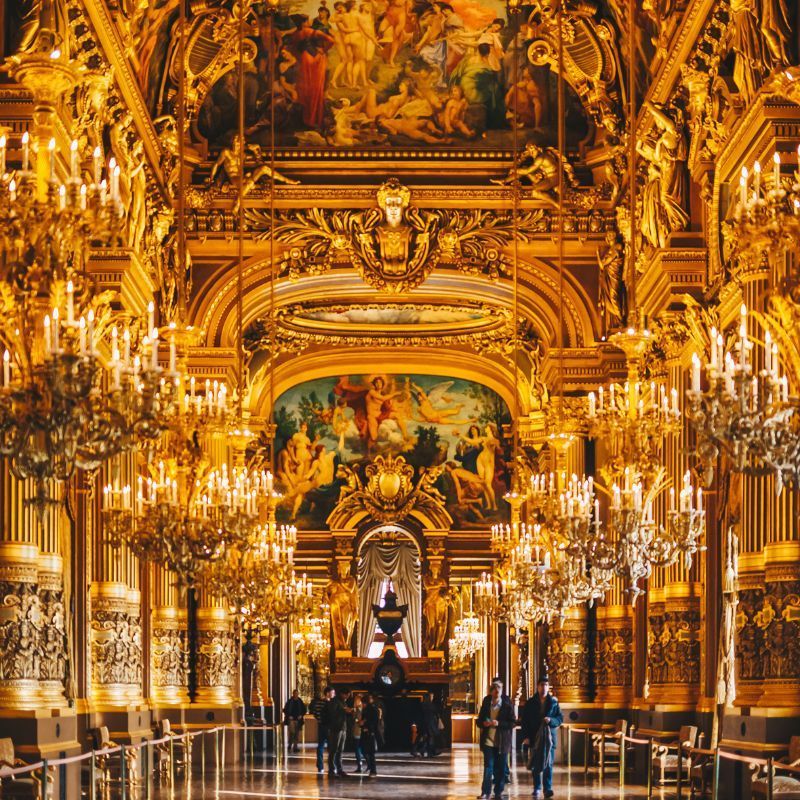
(429, 409)
(395, 246)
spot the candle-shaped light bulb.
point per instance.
(6, 368)
(695, 373)
(52, 151)
(2, 156)
(73, 160)
(97, 164)
(26, 151)
(776, 170)
(70, 303)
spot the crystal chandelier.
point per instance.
(468, 638)
(311, 636)
(744, 411)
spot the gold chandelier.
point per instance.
(61, 408)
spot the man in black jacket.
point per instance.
(334, 721)
(293, 714)
(541, 716)
(496, 723)
(369, 734)
(318, 709)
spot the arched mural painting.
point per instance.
(432, 420)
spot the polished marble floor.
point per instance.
(451, 776)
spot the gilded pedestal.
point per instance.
(568, 657)
(673, 642)
(116, 645)
(217, 658)
(20, 621)
(168, 654)
(53, 636)
(614, 656)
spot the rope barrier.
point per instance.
(121, 749)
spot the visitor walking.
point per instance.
(430, 726)
(370, 727)
(334, 720)
(318, 705)
(358, 718)
(496, 724)
(541, 717)
(293, 716)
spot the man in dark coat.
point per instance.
(293, 713)
(541, 717)
(496, 723)
(369, 734)
(429, 727)
(318, 709)
(334, 721)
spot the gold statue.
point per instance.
(539, 166)
(228, 162)
(612, 296)
(664, 196)
(342, 596)
(435, 607)
(747, 46)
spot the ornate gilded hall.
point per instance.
(404, 347)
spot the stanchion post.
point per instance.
(216, 750)
(649, 768)
(146, 767)
(770, 777)
(569, 748)
(203, 755)
(622, 751)
(122, 777)
(92, 776)
(223, 748)
(45, 790)
(715, 780)
(586, 751)
(171, 775)
(602, 756)
(679, 787)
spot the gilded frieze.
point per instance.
(568, 657)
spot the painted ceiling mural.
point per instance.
(389, 72)
(431, 420)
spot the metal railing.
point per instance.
(96, 760)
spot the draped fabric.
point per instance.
(400, 563)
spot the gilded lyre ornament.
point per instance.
(395, 246)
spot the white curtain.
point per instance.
(400, 563)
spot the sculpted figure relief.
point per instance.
(343, 599)
(664, 197)
(539, 167)
(613, 301)
(228, 162)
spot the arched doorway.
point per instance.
(389, 557)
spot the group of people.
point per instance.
(541, 716)
(362, 716)
(339, 715)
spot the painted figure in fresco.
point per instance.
(528, 99)
(342, 595)
(481, 84)
(311, 46)
(375, 398)
(427, 402)
(455, 111)
(489, 444)
(392, 32)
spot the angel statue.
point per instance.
(539, 166)
(228, 162)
